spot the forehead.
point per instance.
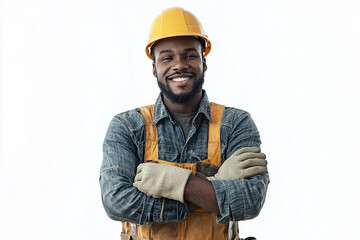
(175, 44)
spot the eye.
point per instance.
(166, 58)
(191, 56)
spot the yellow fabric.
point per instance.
(199, 224)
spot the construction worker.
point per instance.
(183, 168)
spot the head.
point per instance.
(178, 46)
(179, 67)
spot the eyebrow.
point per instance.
(170, 51)
(190, 49)
(165, 51)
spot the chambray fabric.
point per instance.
(123, 151)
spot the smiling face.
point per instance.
(179, 68)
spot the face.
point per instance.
(179, 68)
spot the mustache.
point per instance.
(180, 72)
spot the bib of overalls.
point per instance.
(199, 224)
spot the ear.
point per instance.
(204, 64)
(154, 69)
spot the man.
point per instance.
(183, 168)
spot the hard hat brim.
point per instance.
(207, 44)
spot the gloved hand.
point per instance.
(244, 163)
(161, 180)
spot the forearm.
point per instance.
(240, 199)
(123, 202)
(200, 192)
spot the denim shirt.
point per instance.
(123, 151)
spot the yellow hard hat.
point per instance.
(174, 22)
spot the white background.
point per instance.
(68, 66)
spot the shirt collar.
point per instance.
(160, 110)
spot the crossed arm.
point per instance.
(231, 200)
(242, 164)
(159, 180)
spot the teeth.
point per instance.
(180, 79)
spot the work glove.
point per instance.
(161, 180)
(244, 163)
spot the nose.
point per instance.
(180, 64)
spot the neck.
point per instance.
(188, 107)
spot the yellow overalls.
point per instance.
(199, 224)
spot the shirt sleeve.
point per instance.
(241, 199)
(121, 200)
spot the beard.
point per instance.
(181, 98)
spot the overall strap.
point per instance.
(151, 140)
(214, 143)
